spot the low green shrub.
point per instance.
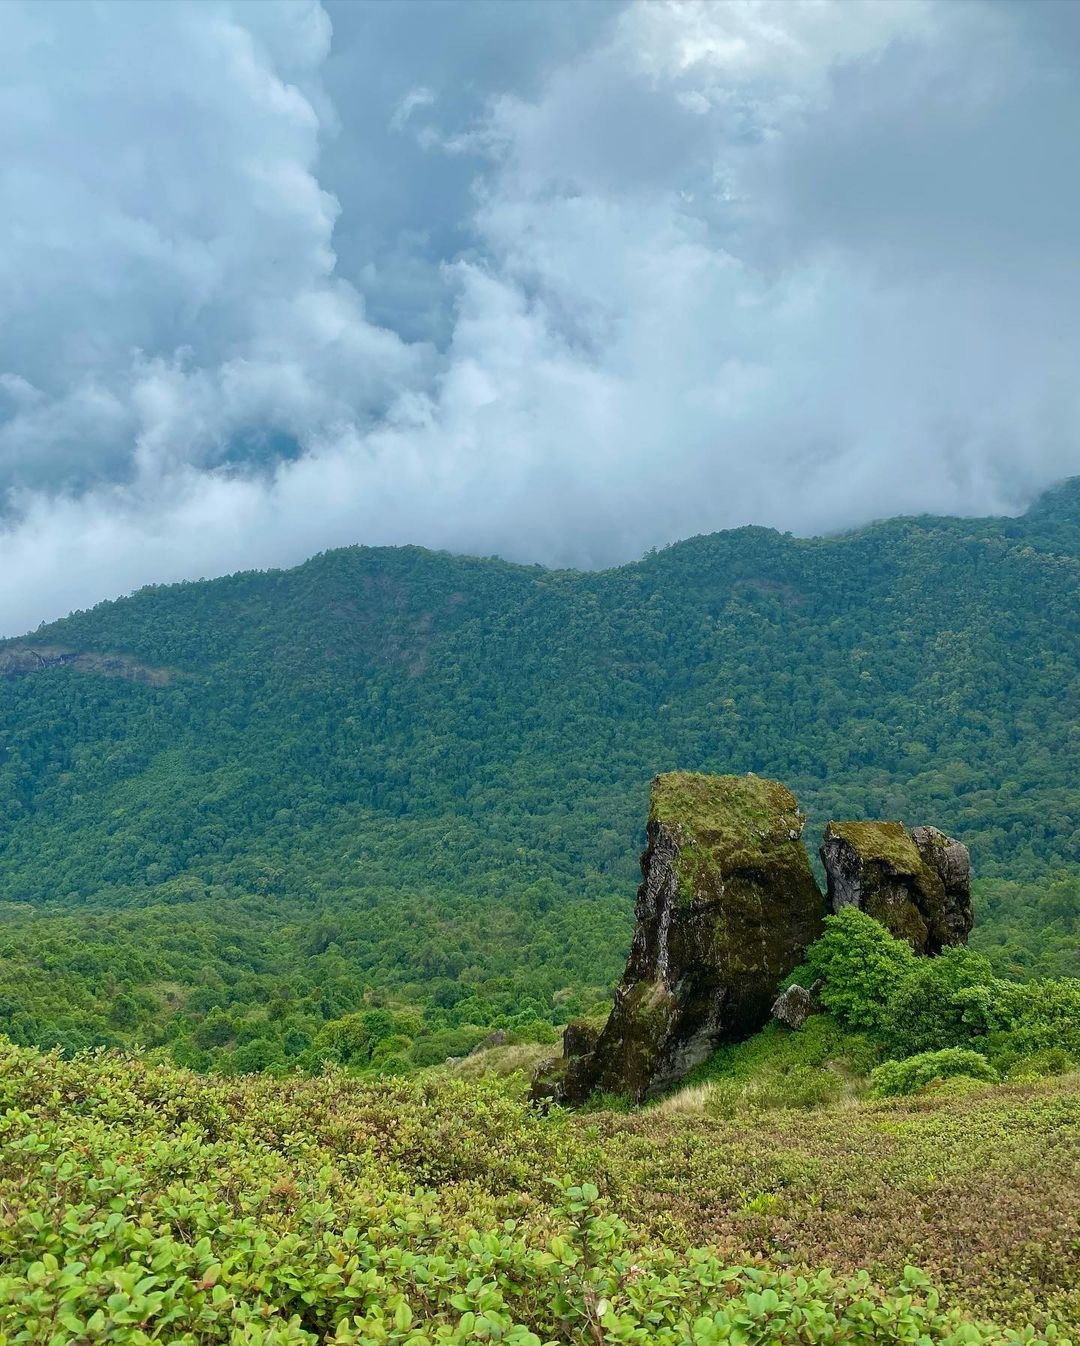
(894, 1078)
(1024, 1017)
(860, 966)
(924, 1013)
(1022, 1065)
(913, 1006)
(143, 1204)
(820, 1042)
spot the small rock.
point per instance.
(794, 1006)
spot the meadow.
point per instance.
(142, 1203)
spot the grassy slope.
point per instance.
(257, 1194)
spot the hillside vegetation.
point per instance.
(142, 1203)
(374, 806)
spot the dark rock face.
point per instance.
(917, 884)
(794, 1006)
(951, 861)
(564, 1077)
(18, 661)
(725, 910)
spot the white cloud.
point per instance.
(414, 99)
(660, 324)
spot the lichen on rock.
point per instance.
(917, 884)
(726, 907)
(794, 1006)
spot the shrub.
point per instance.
(860, 966)
(905, 1077)
(923, 1013)
(142, 1204)
(1024, 1018)
(821, 1041)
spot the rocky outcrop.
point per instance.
(726, 907)
(917, 884)
(16, 661)
(568, 1078)
(950, 859)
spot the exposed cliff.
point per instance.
(725, 910)
(16, 661)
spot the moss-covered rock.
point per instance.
(726, 907)
(917, 884)
(794, 1006)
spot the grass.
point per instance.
(888, 842)
(512, 1061)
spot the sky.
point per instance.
(553, 281)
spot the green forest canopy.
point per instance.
(391, 777)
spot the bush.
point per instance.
(923, 1013)
(860, 966)
(894, 1078)
(1034, 1065)
(821, 1041)
(142, 1204)
(1024, 1018)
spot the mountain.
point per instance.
(433, 768)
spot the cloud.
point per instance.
(415, 98)
(623, 274)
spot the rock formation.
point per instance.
(917, 884)
(18, 661)
(725, 910)
(794, 1006)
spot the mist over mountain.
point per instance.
(557, 282)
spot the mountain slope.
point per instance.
(454, 753)
(920, 668)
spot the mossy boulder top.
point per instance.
(723, 826)
(726, 908)
(917, 883)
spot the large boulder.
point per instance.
(917, 884)
(727, 905)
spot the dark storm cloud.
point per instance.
(396, 68)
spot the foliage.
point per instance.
(1028, 929)
(802, 1087)
(420, 778)
(143, 1203)
(234, 986)
(924, 1011)
(860, 965)
(1020, 1020)
(946, 1010)
(820, 1042)
(914, 1072)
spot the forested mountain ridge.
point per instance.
(917, 667)
(445, 760)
